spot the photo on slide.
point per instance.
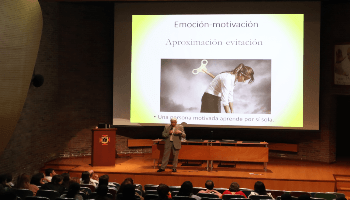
(183, 84)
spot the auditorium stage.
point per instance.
(281, 174)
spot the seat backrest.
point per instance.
(151, 192)
(327, 196)
(221, 190)
(151, 196)
(174, 193)
(150, 187)
(85, 190)
(23, 193)
(174, 188)
(231, 196)
(183, 198)
(59, 198)
(51, 194)
(36, 198)
(92, 187)
(298, 193)
(275, 193)
(207, 195)
(246, 191)
(138, 186)
(195, 190)
(259, 197)
(138, 191)
(113, 191)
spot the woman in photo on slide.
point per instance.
(221, 89)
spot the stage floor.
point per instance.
(281, 174)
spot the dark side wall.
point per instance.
(76, 60)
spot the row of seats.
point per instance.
(246, 191)
(151, 193)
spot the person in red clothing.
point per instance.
(234, 189)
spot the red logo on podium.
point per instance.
(105, 139)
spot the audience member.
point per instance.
(186, 190)
(103, 180)
(55, 184)
(66, 179)
(73, 192)
(37, 179)
(23, 182)
(102, 191)
(341, 198)
(128, 181)
(93, 177)
(259, 189)
(163, 192)
(286, 196)
(234, 189)
(85, 179)
(49, 173)
(209, 184)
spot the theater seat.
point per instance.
(206, 195)
(259, 197)
(51, 194)
(232, 196)
(23, 193)
(36, 198)
(183, 198)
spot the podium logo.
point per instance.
(105, 139)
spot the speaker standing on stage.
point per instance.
(172, 134)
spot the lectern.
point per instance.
(103, 147)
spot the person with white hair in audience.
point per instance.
(209, 184)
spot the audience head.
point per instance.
(103, 180)
(129, 180)
(65, 177)
(163, 190)
(303, 197)
(286, 196)
(341, 198)
(37, 179)
(57, 179)
(259, 188)
(186, 189)
(23, 181)
(50, 172)
(234, 187)
(209, 184)
(73, 189)
(85, 177)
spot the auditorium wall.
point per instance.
(76, 60)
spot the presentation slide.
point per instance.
(217, 64)
(179, 59)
